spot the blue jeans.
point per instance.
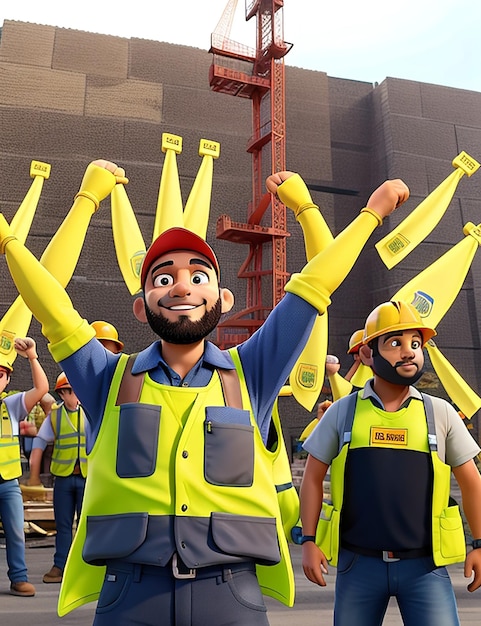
(68, 493)
(11, 513)
(364, 585)
(134, 594)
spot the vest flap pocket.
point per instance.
(449, 543)
(227, 415)
(451, 518)
(247, 536)
(113, 536)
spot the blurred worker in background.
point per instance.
(13, 410)
(65, 428)
(108, 336)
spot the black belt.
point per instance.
(177, 569)
(390, 555)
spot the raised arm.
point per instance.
(27, 349)
(327, 269)
(43, 294)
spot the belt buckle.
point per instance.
(387, 558)
(191, 573)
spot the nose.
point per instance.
(181, 287)
(407, 351)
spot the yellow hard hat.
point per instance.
(6, 365)
(107, 332)
(62, 382)
(355, 342)
(393, 316)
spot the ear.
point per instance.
(227, 299)
(138, 308)
(365, 354)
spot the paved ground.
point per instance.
(313, 605)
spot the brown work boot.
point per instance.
(22, 588)
(54, 575)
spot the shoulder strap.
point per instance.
(231, 388)
(6, 429)
(350, 410)
(429, 410)
(131, 385)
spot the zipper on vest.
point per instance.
(209, 426)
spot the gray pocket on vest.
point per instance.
(113, 536)
(139, 426)
(247, 536)
(228, 447)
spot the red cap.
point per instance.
(176, 239)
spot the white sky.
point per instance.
(432, 41)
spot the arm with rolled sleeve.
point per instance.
(44, 437)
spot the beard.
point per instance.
(385, 370)
(184, 331)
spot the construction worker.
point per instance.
(391, 528)
(13, 410)
(64, 426)
(357, 375)
(108, 336)
(180, 511)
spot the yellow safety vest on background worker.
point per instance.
(69, 444)
(448, 539)
(10, 464)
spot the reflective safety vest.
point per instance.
(448, 539)
(190, 474)
(10, 464)
(69, 444)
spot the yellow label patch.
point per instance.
(397, 244)
(7, 340)
(307, 375)
(391, 437)
(136, 262)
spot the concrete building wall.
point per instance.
(68, 97)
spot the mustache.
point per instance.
(400, 363)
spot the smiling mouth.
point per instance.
(182, 307)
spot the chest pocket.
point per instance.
(228, 447)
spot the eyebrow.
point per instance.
(192, 261)
(201, 262)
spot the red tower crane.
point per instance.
(257, 74)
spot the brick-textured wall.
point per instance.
(68, 97)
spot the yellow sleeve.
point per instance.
(45, 297)
(326, 271)
(294, 193)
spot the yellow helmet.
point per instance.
(6, 365)
(355, 342)
(392, 316)
(107, 332)
(62, 382)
